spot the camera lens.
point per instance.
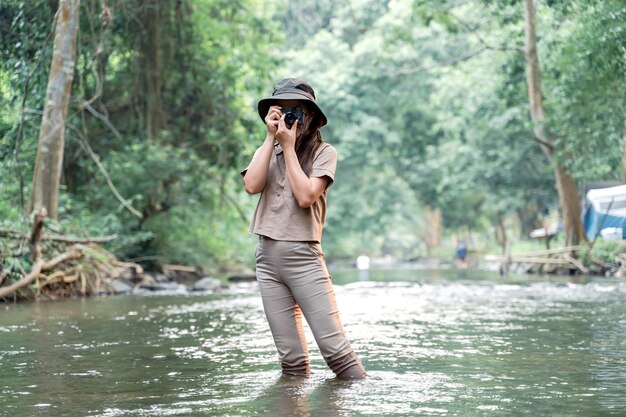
(290, 118)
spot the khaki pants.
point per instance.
(294, 280)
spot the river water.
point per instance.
(434, 344)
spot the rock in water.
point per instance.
(208, 284)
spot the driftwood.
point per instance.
(576, 263)
(67, 277)
(180, 268)
(539, 260)
(38, 267)
(566, 249)
(598, 262)
(543, 258)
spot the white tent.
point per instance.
(606, 209)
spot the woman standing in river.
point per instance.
(293, 177)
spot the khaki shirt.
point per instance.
(278, 215)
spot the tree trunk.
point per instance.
(500, 233)
(569, 201)
(624, 152)
(432, 217)
(565, 184)
(153, 64)
(624, 141)
(47, 175)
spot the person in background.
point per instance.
(293, 170)
(461, 254)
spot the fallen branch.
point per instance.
(598, 262)
(38, 267)
(576, 263)
(554, 251)
(4, 231)
(65, 256)
(82, 240)
(179, 268)
(34, 273)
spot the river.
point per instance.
(434, 344)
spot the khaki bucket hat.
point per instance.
(293, 89)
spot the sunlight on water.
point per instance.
(432, 346)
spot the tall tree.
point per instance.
(565, 184)
(47, 174)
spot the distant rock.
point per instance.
(147, 280)
(244, 276)
(161, 277)
(166, 286)
(121, 286)
(207, 284)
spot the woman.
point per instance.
(293, 176)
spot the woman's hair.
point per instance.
(308, 143)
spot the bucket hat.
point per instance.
(293, 89)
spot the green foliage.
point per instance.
(605, 251)
(587, 61)
(426, 101)
(206, 238)
(163, 104)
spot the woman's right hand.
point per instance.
(271, 120)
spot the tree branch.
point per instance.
(236, 206)
(87, 106)
(34, 273)
(58, 238)
(451, 62)
(482, 40)
(541, 142)
(38, 267)
(85, 145)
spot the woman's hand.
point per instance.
(286, 136)
(271, 120)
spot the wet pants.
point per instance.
(294, 280)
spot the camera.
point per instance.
(292, 114)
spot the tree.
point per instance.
(565, 184)
(47, 173)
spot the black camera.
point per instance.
(292, 114)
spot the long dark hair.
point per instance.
(308, 143)
(310, 138)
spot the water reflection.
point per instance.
(300, 397)
(433, 345)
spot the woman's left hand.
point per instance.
(286, 136)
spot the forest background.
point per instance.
(428, 105)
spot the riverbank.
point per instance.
(69, 267)
(38, 266)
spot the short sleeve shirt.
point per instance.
(278, 215)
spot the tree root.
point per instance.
(82, 270)
(38, 267)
